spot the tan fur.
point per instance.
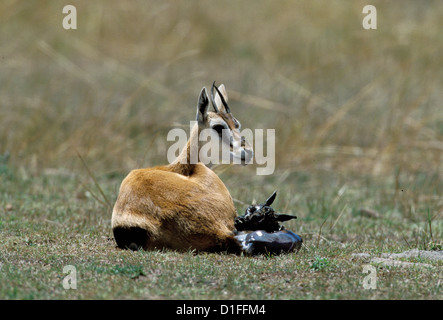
(178, 206)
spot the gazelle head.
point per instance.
(224, 127)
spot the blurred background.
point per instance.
(350, 106)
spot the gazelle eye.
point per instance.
(219, 129)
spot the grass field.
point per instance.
(357, 113)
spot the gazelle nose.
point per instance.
(246, 154)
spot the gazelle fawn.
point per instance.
(184, 205)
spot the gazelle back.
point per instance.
(184, 205)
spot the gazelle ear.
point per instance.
(202, 106)
(221, 102)
(271, 199)
(285, 217)
(222, 90)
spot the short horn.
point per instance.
(213, 99)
